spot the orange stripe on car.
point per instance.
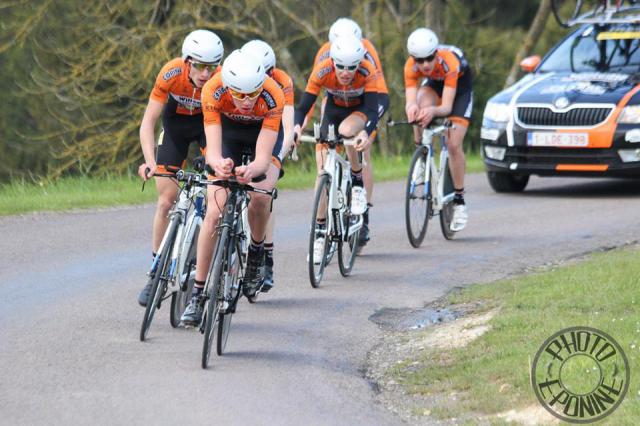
(582, 167)
(602, 136)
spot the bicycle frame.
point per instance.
(339, 170)
(434, 175)
(192, 193)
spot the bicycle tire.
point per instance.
(180, 298)
(417, 227)
(446, 214)
(347, 250)
(323, 189)
(214, 278)
(157, 291)
(232, 274)
(558, 9)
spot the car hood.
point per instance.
(563, 89)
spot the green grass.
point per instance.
(82, 192)
(491, 374)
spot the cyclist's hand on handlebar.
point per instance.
(426, 116)
(412, 112)
(362, 141)
(244, 174)
(145, 171)
(223, 167)
(297, 131)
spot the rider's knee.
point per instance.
(259, 202)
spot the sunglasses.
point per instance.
(242, 96)
(346, 67)
(201, 66)
(425, 59)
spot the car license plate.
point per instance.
(557, 139)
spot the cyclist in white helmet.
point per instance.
(176, 98)
(262, 50)
(348, 27)
(438, 84)
(242, 115)
(351, 83)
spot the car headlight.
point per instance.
(497, 112)
(630, 115)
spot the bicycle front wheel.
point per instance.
(348, 247)
(446, 214)
(185, 276)
(213, 292)
(158, 281)
(231, 294)
(417, 198)
(317, 259)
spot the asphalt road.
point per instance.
(69, 321)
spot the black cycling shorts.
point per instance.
(463, 101)
(240, 139)
(334, 114)
(179, 132)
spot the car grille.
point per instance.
(576, 117)
(544, 155)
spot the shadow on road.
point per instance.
(602, 188)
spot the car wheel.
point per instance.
(507, 182)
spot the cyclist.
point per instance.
(346, 26)
(176, 97)
(352, 107)
(242, 114)
(262, 50)
(446, 91)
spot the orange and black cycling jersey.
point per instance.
(371, 55)
(362, 89)
(324, 76)
(450, 67)
(216, 100)
(174, 88)
(285, 82)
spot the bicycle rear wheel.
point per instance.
(418, 207)
(348, 249)
(213, 303)
(316, 266)
(231, 292)
(185, 278)
(158, 283)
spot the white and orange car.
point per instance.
(577, 112)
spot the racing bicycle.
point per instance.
(429, 189)
(224, 283)
(173, 266)
(333, 201)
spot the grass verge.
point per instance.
(491, 374)
(83, 192)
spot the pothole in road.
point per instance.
(413, 319)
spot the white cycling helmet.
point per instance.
(422, 43)
(347, 51)
(262, 51)
(242, 72)
(203, 46)
(342, 27)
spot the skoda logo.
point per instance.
(561, 102)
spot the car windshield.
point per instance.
(602, 49)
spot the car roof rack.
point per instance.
(608, 16)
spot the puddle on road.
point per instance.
(413, 319)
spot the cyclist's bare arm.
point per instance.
(147, 136)
(287, 124)
(445, 107)
(213, 133)
(411, 103)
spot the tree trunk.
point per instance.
(535, 31)
(434, 16)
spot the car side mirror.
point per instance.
(530, 63)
